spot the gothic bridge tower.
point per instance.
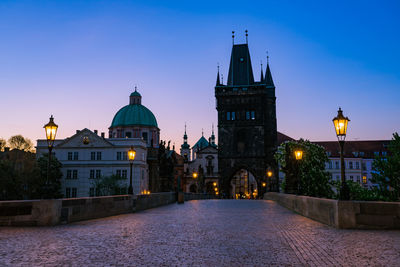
(247, 131)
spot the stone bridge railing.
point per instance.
(58, 211)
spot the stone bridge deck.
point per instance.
(199, 233)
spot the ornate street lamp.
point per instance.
(298, 154)
(195, 175)
(131, 156)
(340, 122)
(51, 131)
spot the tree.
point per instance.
(313, 179)
(41, 185)
(386, 171)
(110, 185)
(3, 144)
(21, 143)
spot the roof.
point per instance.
(132, 115)
(136, 93)
(352, 149)
(268, 77)
(283, 138)
(202, 143)
(240, 69)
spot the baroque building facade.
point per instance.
(86, 156)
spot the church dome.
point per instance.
(134, 114)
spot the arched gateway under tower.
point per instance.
(247, 132)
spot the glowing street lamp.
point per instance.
(340, 122)
(131, 157)
(269, 173)
(264, 184)
(298, 154)
(51, 131)
(215, 183)
(195, 175)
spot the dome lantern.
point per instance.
(135, 98)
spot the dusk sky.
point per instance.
(80, 61)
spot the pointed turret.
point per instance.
(262, 75)
(212, 138)
(268, 77)
(218, 81)
(240, 69)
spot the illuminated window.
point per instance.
(233, 115)
(253, 115)
(228, 116)
(364, 179)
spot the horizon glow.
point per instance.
(79, 61)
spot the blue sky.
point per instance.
(80, 60)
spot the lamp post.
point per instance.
(131, 156)
(298, 154)
(51, 131)
(340, 122)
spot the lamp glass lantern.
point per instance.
(131, 154)
(340, 122)
(298, 154)
(51, 131)
(269, 173)
(195, 175)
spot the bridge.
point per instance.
(199, 233)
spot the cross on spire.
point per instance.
(247, 35)
(233, 37)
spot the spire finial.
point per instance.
(213, 128)
(222, 78)
(262, 74)
(185, 127)
(233, 37)
(202, 132)
(246, 31)
(218, 82)
(267, 58)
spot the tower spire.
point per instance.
(268, 76)
(218, 81)
(233, 37)
(262, 74)
(247, 35)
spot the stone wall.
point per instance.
(342, 214)
(57, 211)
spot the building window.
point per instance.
(91, 174)
(118, 173)
(124, 174)
(91, 192)
(98, 174)
(76, 155)
(118, 155)
(74, 192)
(247, 115)
(69, 155)
(98, 155)
(376, 153)
(336, 164)
(350, 165)
(361, 154)
(384, 153)
(358, 179)
(125, 155)
(92, 155)
(75, 174)
(330, 164)
(253, 115)
(363, 166)
(357, 165)
(144, 136)
(364, 179)
(67, 192)
(351, 178)
(228, 116)
(69, 174)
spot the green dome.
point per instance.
(135, 94)
(134, 115)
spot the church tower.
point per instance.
(247, 131)
(185, 148)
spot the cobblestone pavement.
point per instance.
(199, 233)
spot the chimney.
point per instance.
(102, 135)
(95, 132)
